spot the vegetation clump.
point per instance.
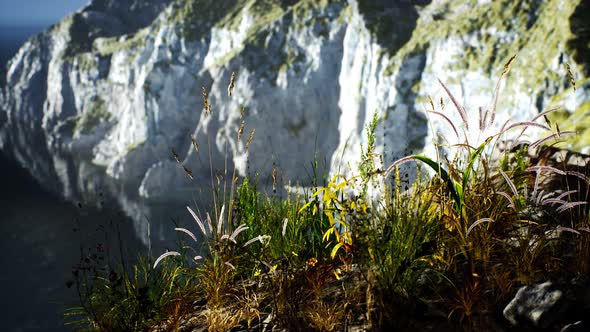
(478, 221)
(92, 116)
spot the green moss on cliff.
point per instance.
(197, 17)
(93, 115)
(85, 62)
(578, 121)
(260, 33)
(108, 46)
(532, 28)
(261, 12)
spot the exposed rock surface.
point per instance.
(536, 305)
(111, 88)
(559, 306)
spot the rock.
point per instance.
(578, 326)
(538, 306)
(110, 89)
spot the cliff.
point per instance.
(112, 87)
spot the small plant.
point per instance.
(122, 301)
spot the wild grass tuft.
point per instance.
(483, 217)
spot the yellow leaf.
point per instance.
(328, 233)
(305, 206)
(315, 209)
(335, 249)
(330, 218)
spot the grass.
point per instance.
(376, 250)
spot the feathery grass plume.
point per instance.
(285, 222)
(567, 193)
(237, 232)
(186, 231)
(164, 255)
(544, 115)
(570, 75)
(546, 168)
(540, 197)
(555, 136)
(505, 72)
(535, 118)
(252, 240)
(209, 224)
(275, 175)
(510, 183)
(195, 144)
(525, 124)
(241, 130)
(431, 102)
(220, 221)
(570, 205)
(206, 104)
(511, 205)
(188, 172)
(197, 220)
(508, 65)
(552, 201)
(479, 221)
(175, 155)
(459, 108)
(230, 87)
(448, 120)
(250, 137)
(567, 229)
(482, 119)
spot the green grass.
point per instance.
(461, 239)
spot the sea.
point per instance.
(43, 238)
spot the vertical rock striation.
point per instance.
(111, 88)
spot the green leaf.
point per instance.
(472, 159)
(444, 176)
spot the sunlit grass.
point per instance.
(461, 239)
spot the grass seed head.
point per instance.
(230, 87)
(250, 137)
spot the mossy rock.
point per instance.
(539, 25)
(92, 117)
(578, 121)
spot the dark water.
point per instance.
(41, 238)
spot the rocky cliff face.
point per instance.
(111, 88)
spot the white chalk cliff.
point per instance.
(113, 87)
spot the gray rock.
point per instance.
(538, 305)
(578, 326)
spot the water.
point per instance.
(40, 240)
(41, 235)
